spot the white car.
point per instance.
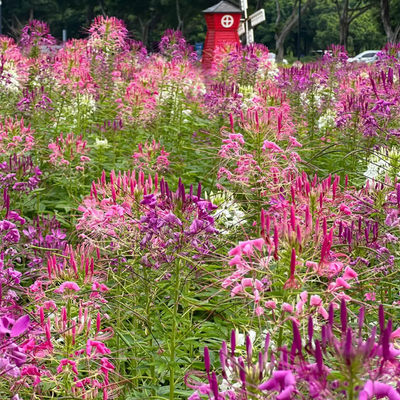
(367, 56)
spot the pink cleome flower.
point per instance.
(70, 286)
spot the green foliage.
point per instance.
(366, 33)
(146, 20)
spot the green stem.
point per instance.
(150, 338)
(351, 386)
(119, 319)
(173, 331)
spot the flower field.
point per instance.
(174, 233)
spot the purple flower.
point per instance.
(20, 326)
(149, 200)
(12, 236)
(20, 174)
(196, 226)
(283, 382)
(377, 389)
(36, 33)
(172, 219)
(174, 47)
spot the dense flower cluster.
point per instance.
(156, 221)
(19, 173)
(108, 34)
(151, 157)
(15, 136)
(36, 34)
(173, 46)
(69, 150)
(366, 366)
(112, 283)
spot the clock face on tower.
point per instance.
(227, 21)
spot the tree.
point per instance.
(392, 32)
(147, 20)
(284, 28)
(348, 11)
(366, 33)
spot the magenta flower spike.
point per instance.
(334, 186)
(398, 195)
(199, 190)
(73, 332)
(233, 342)
(223, 354)
(231, 122)
(296, 338)
(331, 314)
(207, 360)
(298, 235)
(242, 372)
(291, 282)
(348, 353)
(292, 218)
(343, 315)
(98, 322)
(373, 84)
(113, 193)
(263, 223)
(293, 263)
(249, 348)
(318, 356)
(310, 329)
(276, 241)
(214, 385)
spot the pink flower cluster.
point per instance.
(290, 372)
(108, 34)
(15, 137)
(151, 157)
(70, 151)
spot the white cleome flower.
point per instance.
(327, 120)
(228, 214)
(9, 80)
(101, 144)
(383, 163)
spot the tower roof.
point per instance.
(223, 7)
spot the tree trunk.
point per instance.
(290, 23)
(347, 15)
(396, 34)
(343, 33)
(178, 16)
(280, 41)
(343, 12)
(391, 34)
(145, 28)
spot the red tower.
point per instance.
(223, 21)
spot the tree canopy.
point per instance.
(359, 24)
